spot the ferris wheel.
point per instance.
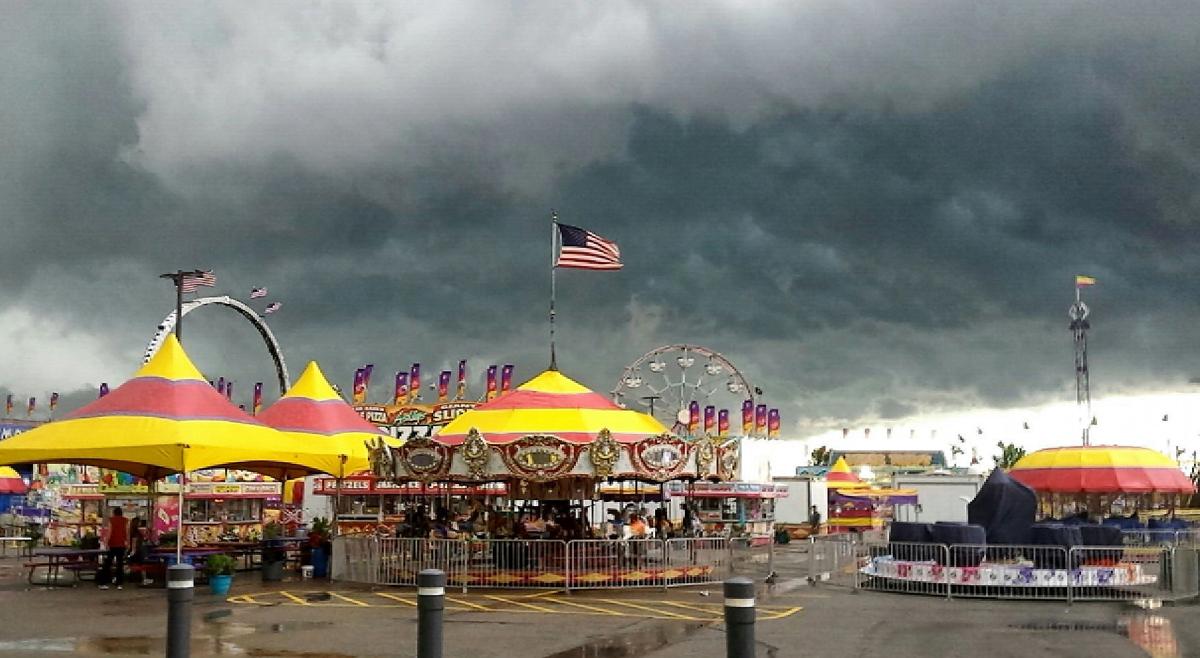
(664, 382)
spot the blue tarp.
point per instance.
(1005, 508)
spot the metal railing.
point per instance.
(1169, 571)
(535, 563)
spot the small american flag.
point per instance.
(193, 280)
(255, 293)
(272, 307)
(585, 250)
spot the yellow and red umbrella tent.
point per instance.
(11, 482)
(312, 413)
(841, 477)
(1101, 469)
(554, 404)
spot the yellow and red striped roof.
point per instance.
(841, 477)
(552, 404)
(1101, 469)
(11, 482)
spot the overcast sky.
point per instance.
(874, 209)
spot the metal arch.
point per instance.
(747, 388)
(168, 325)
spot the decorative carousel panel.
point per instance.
(729, 457)
(661, 457)
(705, 450)
(604, 453)
(424, 458)
(540, 457)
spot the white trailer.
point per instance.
(939, 497)
(803, 492)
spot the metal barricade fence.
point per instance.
(906, 567)
(1158, 537)
(607, 563)
(751, 559)
(1008, 571)
(1109, 573)
(355, 558)
(695, 561)
(511, 563)
(836, 559)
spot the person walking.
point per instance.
(116, 546)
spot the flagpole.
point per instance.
(553, 255)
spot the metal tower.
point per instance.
(1083, 395)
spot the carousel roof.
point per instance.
(1101, 469)
(550, 404)
(841, 477)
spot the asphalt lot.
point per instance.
(318, 620)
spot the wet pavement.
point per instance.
(308, 620)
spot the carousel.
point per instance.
(522, 476)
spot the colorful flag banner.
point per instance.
(1081, 281)
(773, 423)
(32, 407)
(760, 420)
(53, 401)
(8, 405)
(747, 417)
(414, 382)
(490, 393)
(256, 404)
(584, 250)
(255, 293)
(443, 385)
(723, 423)
(103, 389)
(710, 419)
(272, 307)
(693, 417)
(506, 375)
(461, 391)
(367, 370)
(191, 281)
(358, 392)
(401, 394)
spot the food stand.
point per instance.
(370, 504)
(733, 508)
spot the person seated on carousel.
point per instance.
(663, 528)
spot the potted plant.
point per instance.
(168, 538)
(220, 568)
(274, 557)
(321, 546)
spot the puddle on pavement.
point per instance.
(1150, 633)
(212, 640)
(631, 644)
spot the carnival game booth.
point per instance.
(371, 505)
(554, 444)
(733, 509)
(1002, 552)
(854, 506)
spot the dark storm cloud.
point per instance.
(883, 227)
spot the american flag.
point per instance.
(272, 307)
(585, 250)
(255, 293)
(193, 280)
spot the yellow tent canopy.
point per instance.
(167, 419)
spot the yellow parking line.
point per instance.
(686, 606)
(468, 603)
(396, 598)
(293, 598)
(786, 613)
(672, 615)
(614, 613)
(348, 599)
(520, 603)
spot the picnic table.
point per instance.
(57, 559)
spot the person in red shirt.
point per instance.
(117, 545)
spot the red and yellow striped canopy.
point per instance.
(552, 404)
(841, 477)
(166, 419)
(312, 413)
(1101, 469)
(11, 482)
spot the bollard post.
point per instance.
(431, 606)
(180, 590)
(739, 618)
